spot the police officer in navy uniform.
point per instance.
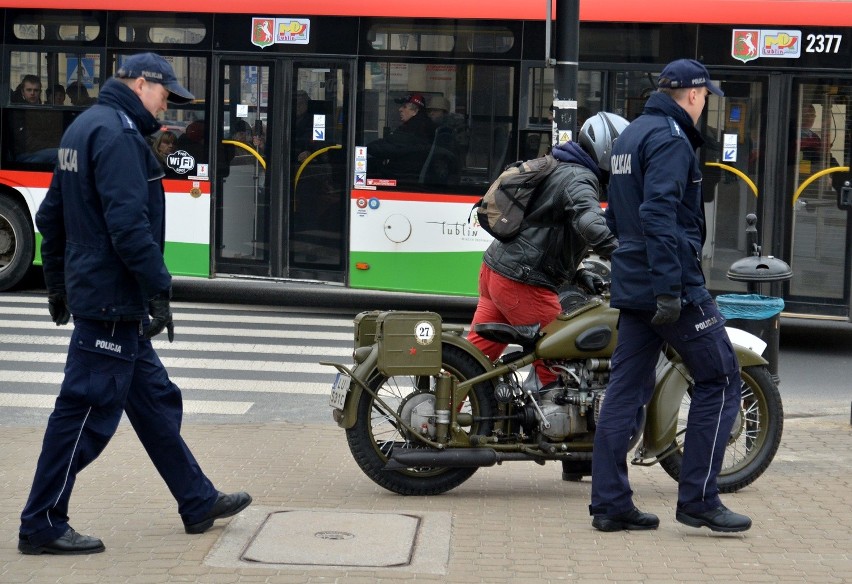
(103, 224)
(656, 211)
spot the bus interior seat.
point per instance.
(441, 166)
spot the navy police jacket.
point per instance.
(656, 209)
(103, 219)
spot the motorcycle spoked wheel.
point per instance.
(755, 436)
(376, 433)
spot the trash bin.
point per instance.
(754, 313)
(759, 315)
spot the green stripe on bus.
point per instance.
(182, 259)
(454, 273)
(188, 259)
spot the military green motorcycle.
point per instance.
(423, 408)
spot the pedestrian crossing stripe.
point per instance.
(190, 406)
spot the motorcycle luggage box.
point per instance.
(409, 343)
(365, 328)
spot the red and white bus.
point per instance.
(254, 189)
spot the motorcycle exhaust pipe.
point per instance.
(402, 459)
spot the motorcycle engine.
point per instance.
(571, 404)
(564, 419)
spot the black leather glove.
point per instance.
(161, 317)
(57, 304)
(590, 281)
(668, 309)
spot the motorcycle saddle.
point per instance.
(524, 335)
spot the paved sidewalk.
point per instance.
(515, 523)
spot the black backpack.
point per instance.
(502, 210)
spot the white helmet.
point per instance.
(598, 134)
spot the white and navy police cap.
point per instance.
(687, 73)
(156, 69)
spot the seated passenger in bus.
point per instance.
(164, 145)
(452, 123)
(28, 91)
(79, 94)
(402, 154)
(55, 95)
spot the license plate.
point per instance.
(339, 389)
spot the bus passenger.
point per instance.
(451, 124)
(163, 146)
(403, 152)
(36, 132)
(79, 94)
(28, 91)
(103, 226)
(55, 95)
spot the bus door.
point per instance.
(734, 132)
(281, 175)
(817, 166)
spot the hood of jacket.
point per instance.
(660, 104)
(574, 153)
(117, 95)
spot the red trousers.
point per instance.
(504, 300)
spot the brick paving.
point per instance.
(514, 523)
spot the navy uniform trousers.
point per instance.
(111, 368)
(700, 339)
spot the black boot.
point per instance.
(574, 470)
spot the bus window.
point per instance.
(537, 136)
(55, 71)
(817, 147)
(43, 84)
(462, 114)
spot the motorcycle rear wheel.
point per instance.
(755, 436)
(376, 433)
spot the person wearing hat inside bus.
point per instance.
(656, 209)
(102, 224)
(402, 153)
(438, 109)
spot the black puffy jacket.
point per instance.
(565, 220)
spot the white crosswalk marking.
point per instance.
(221, 353)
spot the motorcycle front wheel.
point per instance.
(377, 433)
(755, 436)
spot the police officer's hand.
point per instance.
(161, 317)
(668, 309)
(590, 281)
(57, 304)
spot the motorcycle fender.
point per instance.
(362, 373)
(671, 386)
(367, 368)
(747, 346)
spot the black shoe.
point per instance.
(719, 519)
(225, 506)
(632, 520)
(70, 543)
(574, 470)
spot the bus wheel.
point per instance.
(17, 243)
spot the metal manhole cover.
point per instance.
(337, 539)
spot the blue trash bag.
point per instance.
(749, 306)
